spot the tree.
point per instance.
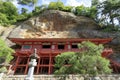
(3, 19)
(8, 8)
(39, 9)
(85, 11)
(9, 11)
(24, 10)
(5, 54)
(80, 10)
(28, 2)
(94, 11)
(110, 11)
(95, 2)
(87, 61)
(67, 8)
(56, 5)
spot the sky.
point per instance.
(86, 3)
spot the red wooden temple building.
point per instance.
(47, 49)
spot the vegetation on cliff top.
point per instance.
(105, 13)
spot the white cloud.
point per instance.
(86, 3)
(15, 3)
(45, 1)
(101, 0)
(73, 3)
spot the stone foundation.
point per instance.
(52, 77)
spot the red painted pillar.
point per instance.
(16, 64)
(26, 69)
(50, 64)
(38, 66)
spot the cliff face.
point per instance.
(54, 24)
(5, 32)
(58, 24)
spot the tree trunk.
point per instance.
(111, 19)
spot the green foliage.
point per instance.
(80, 10)
(3, 69)
(88, 61)
(27, 2)
(56, 5)
(5, 55)
(37, 10)
(3, 19)
(5, 52)
(8, 13)
(95, 2)
(93, 13)
(59, 6)
(90, 12)
(86, 11)
(24, 16)
(8, 8)
(67, 8)
(109, 10)
(110, 28)
(24, 11)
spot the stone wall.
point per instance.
(52, 77)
